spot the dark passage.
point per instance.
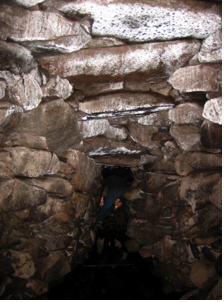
(109, 277)
(110, 272)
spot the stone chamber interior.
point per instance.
(88, 87)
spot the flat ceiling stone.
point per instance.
(131, 62)
(147, 20)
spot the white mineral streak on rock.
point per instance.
(26, 92)
(213, 110)
(211, 48)
(22, 25)
(187, 113)
(2, 89)
(117, 63)
(105, 151)
(101, 127)
(27, 3)
(197, 78)
(119, 102)
(57, 87)
(154, 20)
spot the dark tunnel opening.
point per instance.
(110, 271)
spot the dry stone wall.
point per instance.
(87, 84)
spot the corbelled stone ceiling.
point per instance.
(89, 84)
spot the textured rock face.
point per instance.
(196, 78)
(41, 121)
(124, 104)
(211, 48)
(61, 35)
(187, 136)
(27, 3)
(189, 113)
(16, 58)
(10, 116)
(135, 62)
(27, 162)
(89, 85)
(147, 20)
(25, 92)
(213, 110)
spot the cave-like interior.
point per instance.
(89, 86)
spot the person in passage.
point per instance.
(115, 186)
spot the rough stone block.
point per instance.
(211, 48)
(216, 196)
(187, 113)
(186, 162)
(26, 140)
(60, 136)
(26, 92)
(53, 185)
(100, 88)
(126, 103)
(10, 116)
(57, 88)
(101, 127)
(113, 64)
(29, 162)
(87, 174)
(213, 110)
(16, 58)
(147, 20)
(41, 31)
(211, 135)
(187, 137)
(16, 195)
(141, 134)
(195, 188)
(199, 78)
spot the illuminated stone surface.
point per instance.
(132, 62)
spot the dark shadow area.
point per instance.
(121, 171)
(110, 277)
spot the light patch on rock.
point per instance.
(2, 89)
(141, 22)
(161, 87)
(200, 78)
(124, 102)
(112, 64)
(213, 110)
(30, 162)
(103, 42)
(158, 119)
(187, 113)
(105, 151)
(26, 92)
(10, 116)
(27, 3)
(57, 88)
(43, 31)
(211, 48)
(101, 127)
(23, 264)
